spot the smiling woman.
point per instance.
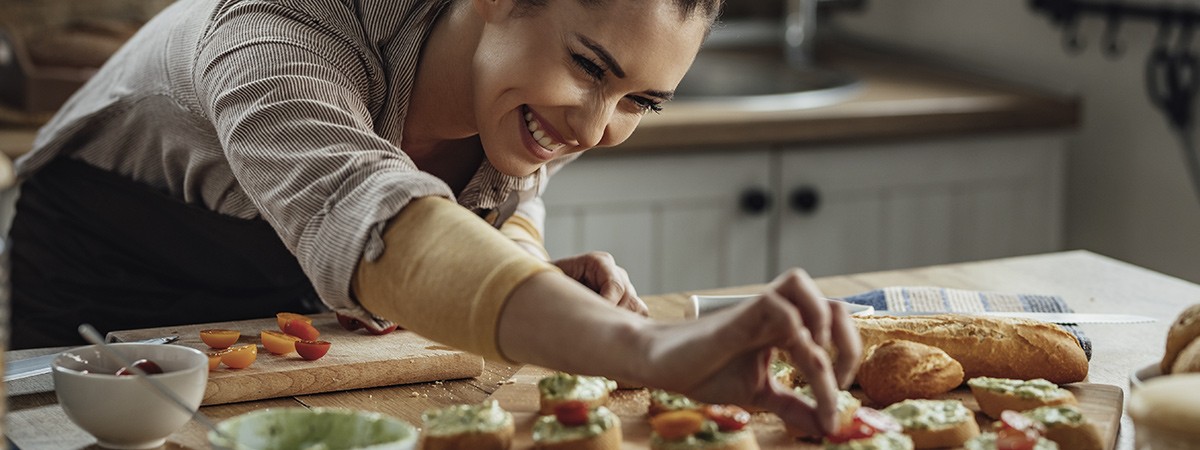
(243, 157)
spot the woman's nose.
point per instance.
(591, 122)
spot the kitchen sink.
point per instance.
(759, 79)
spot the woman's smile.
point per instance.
(539, 136)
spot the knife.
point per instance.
(28, 367)
(1060, 318)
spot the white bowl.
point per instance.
(124, 412)
(706, 304)
(324, 428)
(1139, 377)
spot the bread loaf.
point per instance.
(896, 370)
(987, 346)
(1188, 360)
(1184, 331)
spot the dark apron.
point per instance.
(90, 246)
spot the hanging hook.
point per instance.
(1112, 27)
(1071, 40)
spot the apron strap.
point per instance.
(93, 246)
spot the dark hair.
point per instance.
(709, 9)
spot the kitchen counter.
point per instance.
(901, 98)
(1086, 281)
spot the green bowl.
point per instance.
(313, 429)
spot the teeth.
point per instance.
(539, 135)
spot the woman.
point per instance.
(244, 157)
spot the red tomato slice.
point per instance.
(312, 350)
(219, 339)
(1011, 439)
(727, 417)
(284, 317)
(571, 413)
(301, 329)
(278, 343)
(349, 323)
(855, 430)
(384, 331)
(878, 420)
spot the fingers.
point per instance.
(848, 343)
(795, 411)
(813, 361)
(799, 288)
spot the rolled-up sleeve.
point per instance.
(292, 105)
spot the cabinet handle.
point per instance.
(805, 199)
(755, 201)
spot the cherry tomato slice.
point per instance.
(880, 421)
(219, 339)
(572, 413)
(856, 429)
(214, 359)
(240, 357)
(146, 365)
(301, 329)
(1017, 421)
(384, 331)
(278, 343)
(676, 425)
(312, 350)
(284, 317)
(1011, 439)
(727, 417)
(349, 323)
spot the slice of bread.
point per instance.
(935, 423)
(478, 440)
(994, 395)
(550, 434)
(485, 426)
(609, 439)
(560, 387)
(1068, 427)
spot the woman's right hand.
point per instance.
(724, 357)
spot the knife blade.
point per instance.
(1060, 318)
(28, 367)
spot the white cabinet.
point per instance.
(679, 221)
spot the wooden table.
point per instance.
(1088, 282)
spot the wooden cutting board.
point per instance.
(1101, 403)
(355, 360)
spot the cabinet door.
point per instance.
(673, 221)
(914, 204)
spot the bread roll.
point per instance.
(896, 370)
(1189, 359)
(1184, 331)
(988, 346)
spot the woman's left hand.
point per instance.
(600, 273)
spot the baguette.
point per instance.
(896, 370)
(987, 346)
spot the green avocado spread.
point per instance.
(457, 419)
(1032, 389)
(987, 441)
(709, 434)
(925, 414)
(845, 400)
(880, 441)
(671, 401)
(575, 387)
(1058, 415)
(548, 429)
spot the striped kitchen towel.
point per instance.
(926, 298)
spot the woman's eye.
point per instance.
(588, 66)
(646, 105)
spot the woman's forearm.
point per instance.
(553, 321)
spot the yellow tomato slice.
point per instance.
(278, 343)
(675, 425)
(220, 338)
(240, 357)
(284, 317)
(214, 359)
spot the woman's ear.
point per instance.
(493, 11)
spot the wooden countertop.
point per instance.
(900, 98)
(1088, 282)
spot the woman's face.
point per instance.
(568, 77)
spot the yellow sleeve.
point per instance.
(522, 231)
(445, 274)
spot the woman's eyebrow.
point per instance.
(603, 54)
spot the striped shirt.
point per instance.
(286, 110)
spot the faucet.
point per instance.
(800, 27)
